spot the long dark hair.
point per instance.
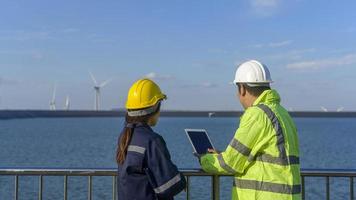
(127, 133)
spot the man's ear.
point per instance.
(242, 90)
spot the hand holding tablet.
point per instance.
(200, 141)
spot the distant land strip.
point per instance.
(16, 114)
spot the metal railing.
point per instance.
(327, 174)
(188, 173)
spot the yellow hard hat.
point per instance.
(144, 93)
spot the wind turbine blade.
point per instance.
(93, 78)
(105, 83)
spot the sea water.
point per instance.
(91, 143)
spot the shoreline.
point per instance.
(18, 114)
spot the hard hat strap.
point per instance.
(143, 112)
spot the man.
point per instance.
(263, 156)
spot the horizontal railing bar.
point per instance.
(186, 172)
(328, 172)
(59, 172)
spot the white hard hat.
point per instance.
(253, 73)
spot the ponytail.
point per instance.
(123, 145)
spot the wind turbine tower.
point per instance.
(67, 104)
(97, 89)
(340, 109)
(52, 103)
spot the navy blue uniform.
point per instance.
(148, 172)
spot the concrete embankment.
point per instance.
(14, 114)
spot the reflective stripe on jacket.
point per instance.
(148, 172)
(263, 155)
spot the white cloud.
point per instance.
(100, 38)
(21, 35)
(350, 29)
(264, 7)
(323, 63)
(208, 85)
(70, 30)
(303, 51)
(5, 81)
(296, 54)
(272, 44)
(256, 46)
(155, 76)
(200, 85)
(34, 54)
(280, 44)
(264, 3)
(37, 55)
(218, 50)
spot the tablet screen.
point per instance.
(199, 140)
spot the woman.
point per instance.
(145, 169)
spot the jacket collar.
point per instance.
(134, 125)
(268, 97)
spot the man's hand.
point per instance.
(213, 151)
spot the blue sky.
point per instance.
(191, 48)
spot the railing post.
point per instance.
(327, 185)
(303, 188)
(187, 188)
(351, 188)
(90, 188)
(65, 189)
(114, 187)
(40, 187)
(16, 187)
(215, 187)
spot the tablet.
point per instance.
(200, 140)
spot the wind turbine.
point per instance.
(340, 109)
(211, 114)
(67, 104)
(323, 109)
(52, 103)
(97, 88)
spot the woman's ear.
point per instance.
(152, 121)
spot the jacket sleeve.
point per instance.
(163, 175)
(243, 147)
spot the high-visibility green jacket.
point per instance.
(263, 156)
